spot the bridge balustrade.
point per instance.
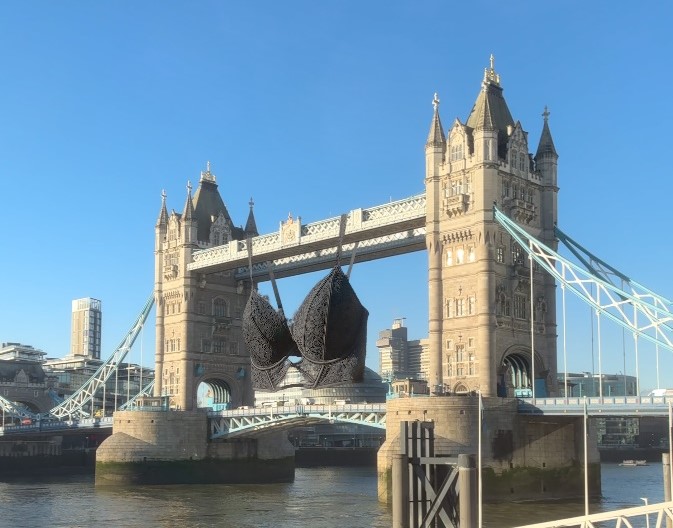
(607, 405)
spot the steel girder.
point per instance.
(253, 422)
(639, 310)
(73, 406)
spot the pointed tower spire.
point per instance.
(490, 110)
(163, 214)
(436, 136)
(546, 145)
(188, 213)
(251, 225)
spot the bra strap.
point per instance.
(249, 244)
(269, 265)
(342, 231)
(350, 266)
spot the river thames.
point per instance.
(318, 498)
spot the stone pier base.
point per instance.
(523, 457)
(171, 447)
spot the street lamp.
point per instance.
(647, 515)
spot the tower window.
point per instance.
(500, 254)
(520, 306)
(471, 254)
(449, 257)
(460, 256)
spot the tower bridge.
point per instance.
(488, 220)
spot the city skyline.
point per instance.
(108, 106)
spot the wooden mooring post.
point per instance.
(431, 491)
(666, 464)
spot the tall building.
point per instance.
(400, 358)
(480, 296)
(199, 338)
(85, 330)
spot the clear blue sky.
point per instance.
(313, 108)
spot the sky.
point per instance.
(315, 109)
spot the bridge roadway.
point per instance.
(257, 420)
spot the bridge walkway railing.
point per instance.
(656, 513)
(607, 405)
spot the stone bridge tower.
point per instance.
(199, 341)
(479, 278)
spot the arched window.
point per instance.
(220, 307)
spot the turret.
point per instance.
(546, 162)
(435, 146)
(251, 225)
(189, 223)
(490, 118)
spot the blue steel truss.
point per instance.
(629, 304)
(248, 422)
(147, 391)
(74, 405)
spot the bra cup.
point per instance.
(265, 332)
(330, 330)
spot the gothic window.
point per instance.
(468, 184)
(460, 307)
(505, 189)
(522, 161)
(522, 193)
(520, 306)
(449, 344)
(202, 308)
(460, 256)
(460, 370)
(220, 308)
(233, 349)
(449, 367)
(517, 254)
(471, 305)
(470, 365)
(449, 308)
(471, 254)
(456, 152)
(449, 257)
(205, 346)
(513, 158)
(487, 150)
(470, 342)
(218, 346)
(500, 255)
(460, 353)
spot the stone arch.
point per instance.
(515, 371)
(227, 388)
(460, 389)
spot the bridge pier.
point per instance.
(523, 456)
(172, 447)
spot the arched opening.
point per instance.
(514, 380)
(214, 394)
(460, 389)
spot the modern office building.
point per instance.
(400, 358)
(85, 334)
(19, 352)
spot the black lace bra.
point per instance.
(328, 332)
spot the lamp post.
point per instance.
(647, 515)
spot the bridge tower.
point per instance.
(198, 317)
(480, 305)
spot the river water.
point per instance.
(318, 498)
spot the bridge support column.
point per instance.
(172, 447)
(523, 456)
